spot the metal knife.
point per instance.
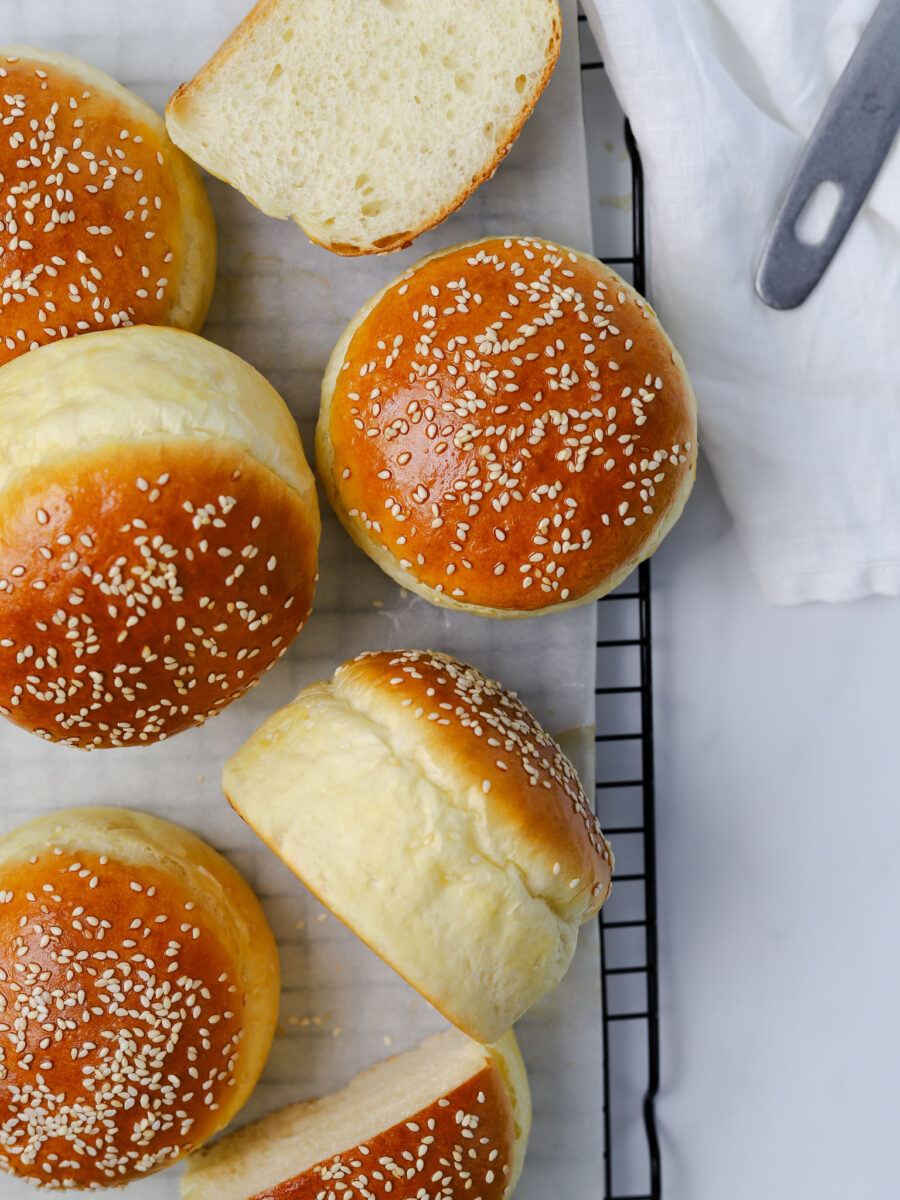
(848, 147)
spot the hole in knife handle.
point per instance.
(818, 213)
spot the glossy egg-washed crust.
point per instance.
(506, 428)
(138, 996)
(483, 734)
(103, 220)
(144, 586)
(460, 1145)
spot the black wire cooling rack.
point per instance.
(625, 805)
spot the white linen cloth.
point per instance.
(799, 411)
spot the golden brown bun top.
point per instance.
(128, 1004)
(510, 421)
(465, 1140)
(479, 733)
(105, 222)
(446, 1120)
(158, 535)
(141, 592)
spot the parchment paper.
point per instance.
(281, 303)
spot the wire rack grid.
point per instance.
(625, 805)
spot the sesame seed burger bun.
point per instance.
(425, 806)
(450, 1118)
(105, 220)
(158, 535)
(506, 429)
(139, 992)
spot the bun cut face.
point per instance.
(158, 535)
(506, 429)
(139, 993)
(105, 222)
(448, 1119)
(367, 121)
(427, 808)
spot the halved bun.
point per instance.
(425, 806)
(451, 1117)
(367, 121)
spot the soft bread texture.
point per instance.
(451, 1117)
(105, 222)
(505, 428)
(139, 990)
(425, 806)
(367, 121)
(141, 384)
(158, 535)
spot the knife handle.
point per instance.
(848, 147)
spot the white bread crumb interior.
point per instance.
(366, 121)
